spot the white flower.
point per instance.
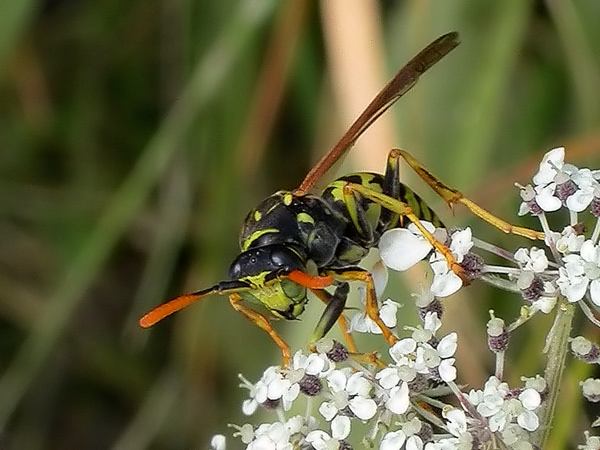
(218, 442)
(402, 248)
(431, 323)
(584, 195)
(547, 301)
(393, 440)
(462, 242)
(551, 163)
(362, 323)
(340, 429)
(572, 281)
(445, 281)
(533, 259)
(403, 369)
(272, 386)
(502, 409)
(591, 442)
(313, 364)
(546, 199)
(457, 425)
(446, 349)
(348, 390)
(569, 241)
(538, 383)
(591, 257)
(271, 436)
(580, 272)
(399, 399)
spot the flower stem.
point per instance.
(555, 366)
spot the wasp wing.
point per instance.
(404, 80)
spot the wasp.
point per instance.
(295, 242)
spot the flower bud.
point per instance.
(310, 385)
(497, 335)
(337, 353)
(585, 350)
(591, 389)
(472, 265)
(534, 291)
(595, 207)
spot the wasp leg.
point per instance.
(333, 312)
(365, 358)
(262, 322)
(452, 196)
(403, 209)
(357, 214)
(357, 274)
(392, 187)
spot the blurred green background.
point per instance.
(135, 135)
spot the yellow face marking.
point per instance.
(250, 239)
(257, 215)
(305, 217)
(287, 199)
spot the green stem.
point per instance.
(555, 366)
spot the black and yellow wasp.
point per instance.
(294, 242)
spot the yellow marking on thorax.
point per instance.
(287, 199)
(305, 217)
(254, 236)
(257, 215)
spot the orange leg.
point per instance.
(372, 306)
(262, 322)
(452, 196)
(324, 296)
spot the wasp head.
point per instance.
(261, 267)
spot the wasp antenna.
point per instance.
(166, 309)
(310, 281)
(178, 303)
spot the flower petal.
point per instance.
(446, 284)
(595, 291)
(447, 370)
(218, 442)
(400, 249)
(399, 400)
(447, 345)
(530, 398)
(340, 427)
(528, 420)
(363, 408)
(546, 173)
(328, 410)
(393, 440)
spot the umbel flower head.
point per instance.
(410, 398)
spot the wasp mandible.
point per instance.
(294, 241)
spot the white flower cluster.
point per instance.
(411, 400)
(559, 185)
(573, 272)
(394, 399)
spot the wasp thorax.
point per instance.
(266, 259)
